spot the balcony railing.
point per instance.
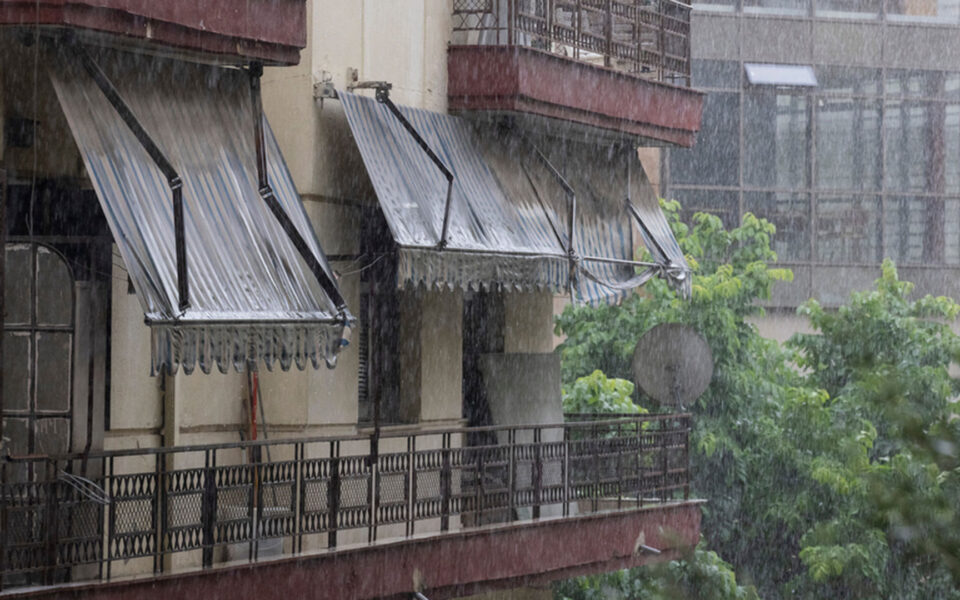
(646, 37)
(74, 517)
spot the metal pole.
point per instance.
(266, 193)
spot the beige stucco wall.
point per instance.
(528, 322)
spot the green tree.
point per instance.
(830, 465)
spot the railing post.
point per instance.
(255, 508)
(686, 423)
(208, 506)
(565, 471)
(664, 451)
(51, 521)
(333, 495)
(619, 446)
(663, 40)
(595, 442)
(641, 457)
(478, 488)
(159, 502)
(537, 471)
(511, 15)
(5, 496)
(445, 483)
(297, 499)
(411, 484)
(608, 34)
(512, 473)
(373, 487)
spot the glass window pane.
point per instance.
(951, 148)
(54, 289)
(775, 140)
(951, 86)
(53, 371)
(910, 83)
(16, 285)
(848, 80)
(910, 233)
(715, 158)
(951, 231)
(928, 11)
(723, 204)
(849, 9)
(53, 436)
(722, 74)
(848, 229)
(913, 130)
(790, 213)
(777, 7)
(18, 432)
(848, 144)
(16, 371)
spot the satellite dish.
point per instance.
(672, 364)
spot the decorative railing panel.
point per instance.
(646, 37)
(69, 518)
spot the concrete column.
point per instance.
(528, 322)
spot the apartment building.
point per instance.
(310, 355)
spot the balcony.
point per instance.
(453, 512)
(618, 68)
(272, 31)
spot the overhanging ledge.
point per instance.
(532, 83)
(446, 565)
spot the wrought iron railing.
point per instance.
(646, 37)
(74, 517)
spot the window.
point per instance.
(720, 203)
(715, 159)
(776, 130)
(848, 144)
(38, 350)
(790, 213)
(848, 229)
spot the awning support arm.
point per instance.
(571, 229)
(646, 232)
(266, 193)
(173, 178)
(571, 195)
(383, 97)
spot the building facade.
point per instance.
(863, 165)
(179, 274)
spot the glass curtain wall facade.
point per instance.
(864, 166)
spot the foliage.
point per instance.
(831, 465)
(598, 394)
(702, 575)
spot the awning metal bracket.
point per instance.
(571, 224)
(383, 97)
(266, 193)
(173, 178)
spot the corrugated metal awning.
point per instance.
(252, 296)
(509, 213)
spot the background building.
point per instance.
(861, 166)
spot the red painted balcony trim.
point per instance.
(270, 30)
(525, 80)
(442, 565)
